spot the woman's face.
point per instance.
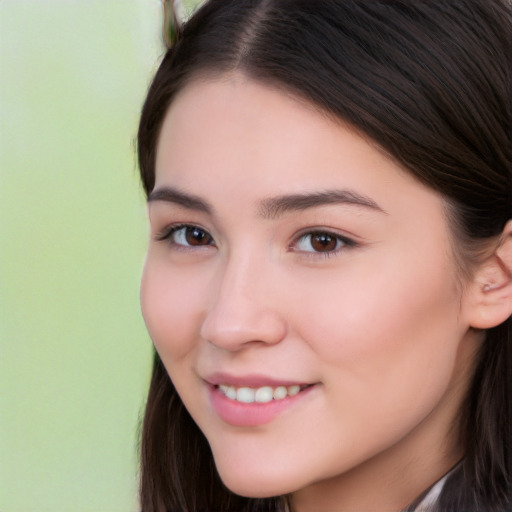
(301, 291)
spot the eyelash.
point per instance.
(166, 235)
(342, 242)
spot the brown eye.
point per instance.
(196, 236)
(322, 242)
(190, 236)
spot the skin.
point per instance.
(380, 324)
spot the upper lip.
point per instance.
(250, 380)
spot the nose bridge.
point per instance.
(242, 308)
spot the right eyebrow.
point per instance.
(173, 195)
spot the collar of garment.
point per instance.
(428, 503)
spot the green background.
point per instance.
(74, 354)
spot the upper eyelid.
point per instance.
(170, 229)
(349, 240)
(347, 243)
(330, 231)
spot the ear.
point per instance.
(490, 290)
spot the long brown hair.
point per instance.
(431, 83)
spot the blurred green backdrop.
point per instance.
(74, 354)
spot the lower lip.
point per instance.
(241, 414)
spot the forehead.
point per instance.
(233, 138)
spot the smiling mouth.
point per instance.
(262, 395)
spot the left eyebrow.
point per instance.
(277, 206)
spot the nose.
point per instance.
(243, 308)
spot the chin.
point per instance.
(251, 484)
(250, 490)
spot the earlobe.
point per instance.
(491, 286)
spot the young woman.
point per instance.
(328, 283)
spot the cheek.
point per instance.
(170, 305)
(380, 331)
(382, 302)
(388, 345)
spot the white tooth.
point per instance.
(293, 390)
(280, 392)
(245, 395)
(223, 388)
(264, 394)
(231, 392)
